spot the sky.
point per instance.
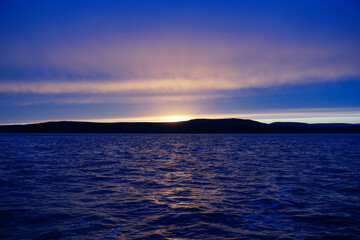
(113, 61)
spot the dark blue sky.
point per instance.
(172, 60)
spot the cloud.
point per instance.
(169, 66)
(109, 98)
(197, 57)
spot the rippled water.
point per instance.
(115, 186)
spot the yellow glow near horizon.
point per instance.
(176, 118)
(169, 118)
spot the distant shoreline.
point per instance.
(192, 126)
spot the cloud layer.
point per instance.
(145, 48)
(185, 67)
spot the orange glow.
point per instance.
(178, 118)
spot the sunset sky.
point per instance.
(176, 60)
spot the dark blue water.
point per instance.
(114, 186)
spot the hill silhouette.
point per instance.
(191, 126)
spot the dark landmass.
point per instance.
(192, 126)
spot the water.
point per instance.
(118, 186)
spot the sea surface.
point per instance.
(173, 186)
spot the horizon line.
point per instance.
(187, 120)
